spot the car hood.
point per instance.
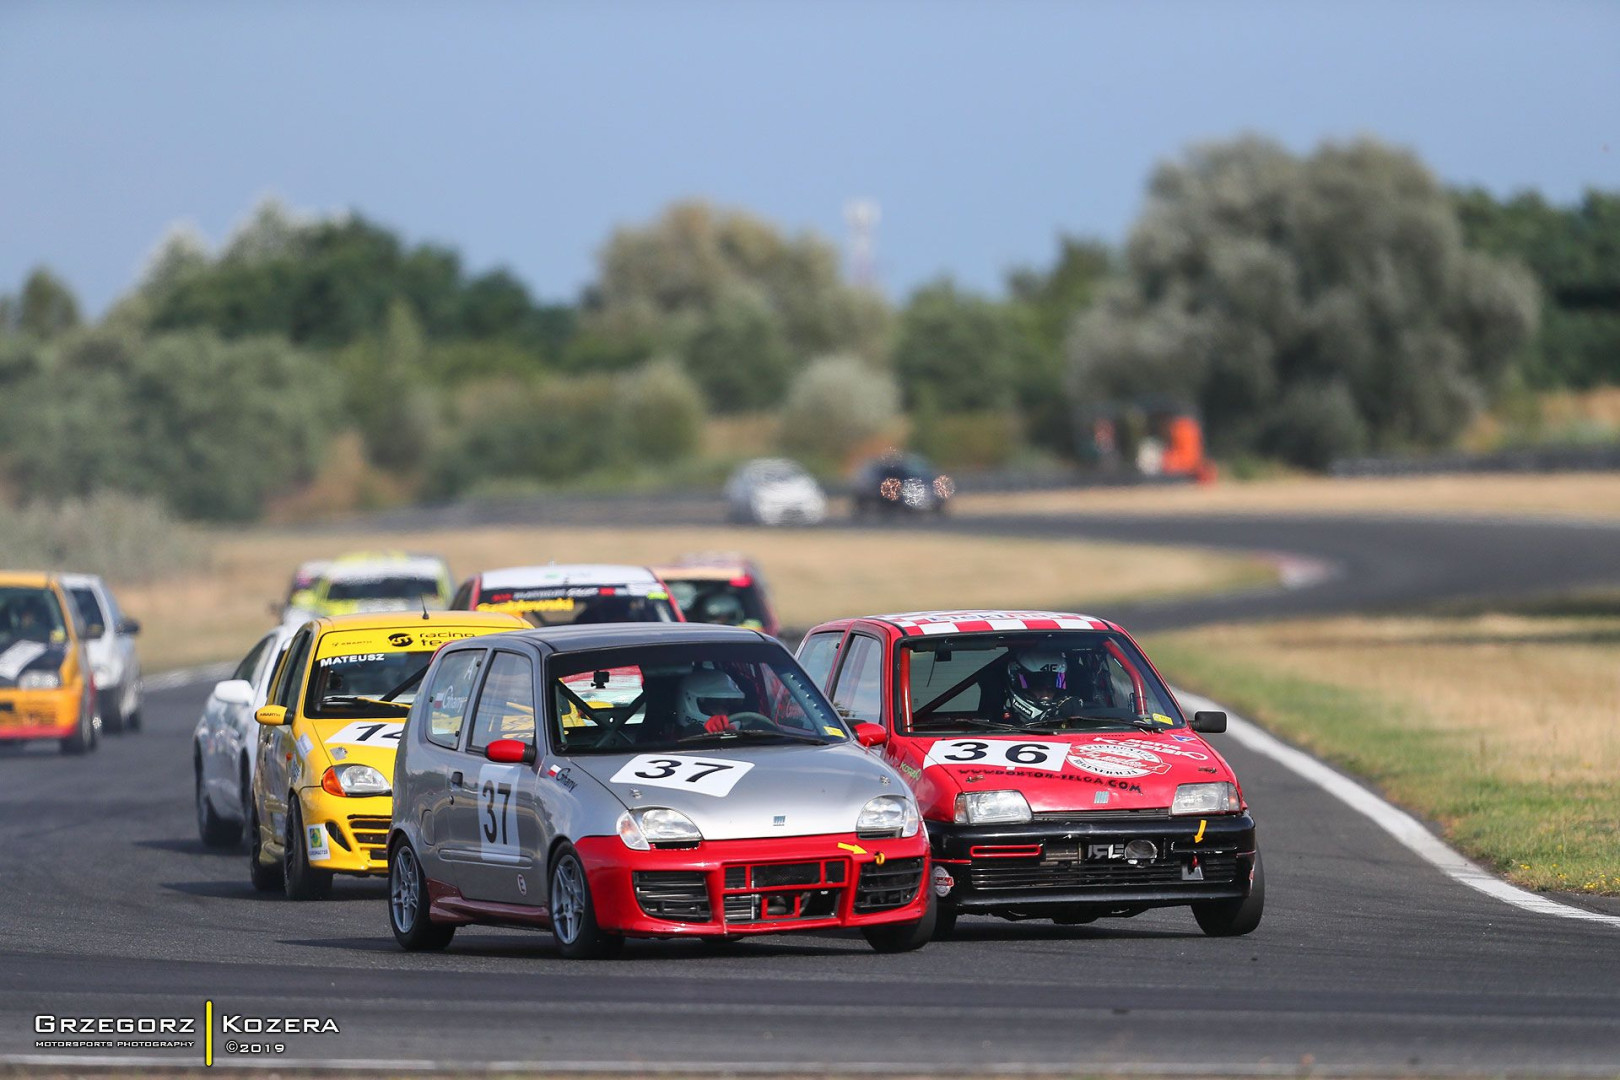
(762, 791)
(1065, 772)
(371, 742)
(22, 656)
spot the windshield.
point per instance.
(577, 605)
(1062, 681)
(30, 614)
(344, 687)
(393, 587)
(665, 697)
(728, 602)
(84, 602)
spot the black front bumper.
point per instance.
(1080, 862)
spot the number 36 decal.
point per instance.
(999, 754)
(706, 776)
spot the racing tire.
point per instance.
(408, 904)
(905, 937)
(266, 877)
(303, 881)
(945, 920)
(112, 720)
(573, 912)
(213, 830)
(1233, 918)
(84, 737)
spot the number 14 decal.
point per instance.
(706, 776)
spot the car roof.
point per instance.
(361, 569)
(79, 581)
(985, 620)
(520, 577)
(26, 578)
(619, 635)
(405, 620)
(706, 572)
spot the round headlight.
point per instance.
(992, 808)
(361, 780)
(888, 815)
(39, 680)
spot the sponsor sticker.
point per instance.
(367, 733)
(19, 656)
(315, 843)
(1117, 760)
(305, 745)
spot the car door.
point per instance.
(442, 802)
(506, 819)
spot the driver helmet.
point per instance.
(1036, 680)
(707, 692)
(724, 609)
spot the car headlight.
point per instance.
(39, 680)
(888, 815)
(992, 808)
(1217, 798)
(640, 829)
(355, 780)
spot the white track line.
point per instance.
(1393, 820)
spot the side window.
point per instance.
(250, 663)
(291, 679)
(448, 697)
(86, 610)
(462, 601)
(506, 704)
(859, 693)
(818, 654)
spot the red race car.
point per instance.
(1056, 773)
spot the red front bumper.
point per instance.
(726, 887)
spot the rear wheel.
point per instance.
(214, 831)
(573, 913)
(905, 937)
(408, 904)
(304, 882)
(266, 875)
(1232, 918)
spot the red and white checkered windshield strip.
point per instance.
(978, 622)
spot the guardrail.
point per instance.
(1538, 459)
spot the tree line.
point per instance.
(1305, 306)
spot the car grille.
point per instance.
(1093, 816)
(784, 892)
(675, 895)
(369, 831)
(1062, 867)
(892, 885)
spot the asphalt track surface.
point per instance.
(1369, 961)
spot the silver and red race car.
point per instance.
(1057, 774)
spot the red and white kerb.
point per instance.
(978, 622)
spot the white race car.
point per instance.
(109, 640)
(226, 737)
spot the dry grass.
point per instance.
(814, 575)
(1577, 495)
(1504, 728)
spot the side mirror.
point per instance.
(1209, 722)
(271, 715)
(510, 752)
(234, 692)
(871, 734)
(130, 627)
(94, 631)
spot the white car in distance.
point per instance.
(109, 639)
(774, 491)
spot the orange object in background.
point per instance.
(1184, 447)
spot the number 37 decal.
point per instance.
(706, 776)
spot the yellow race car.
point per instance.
(322, 788)
(371, 581)
(46, 689)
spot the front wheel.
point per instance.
(905, 937)
(408, 904)
(83, 739)
(1232, 918)
(573, 914)
(304, 882)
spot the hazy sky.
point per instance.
(522, 132)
